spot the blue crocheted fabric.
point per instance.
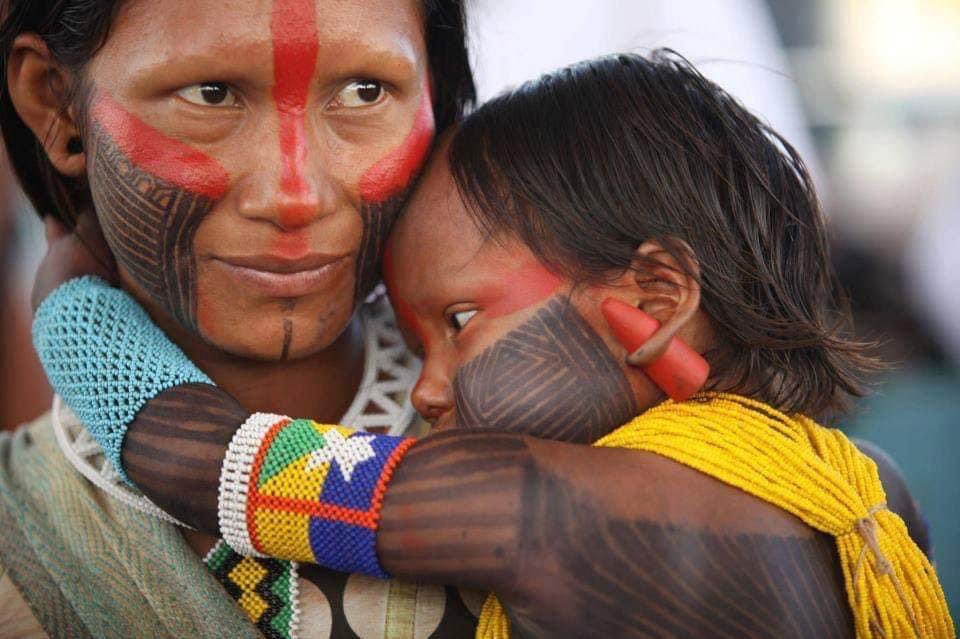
(106, 358)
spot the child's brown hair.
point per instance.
(587, 163)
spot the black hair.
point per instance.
(587, 163)
(74, 30)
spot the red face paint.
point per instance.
(521, 287)
(171, 160)
(293, 26)
(393, 173)
(402, 309)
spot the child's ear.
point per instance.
(666, 286)
(38, 87)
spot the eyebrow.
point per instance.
(217, 58)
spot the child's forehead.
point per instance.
(436, 220)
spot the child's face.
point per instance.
(506, 343)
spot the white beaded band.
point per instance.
(235, 478)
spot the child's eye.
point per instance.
(215, 94)
(360, 93)
(459, 320)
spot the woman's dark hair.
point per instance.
(587, 163)
(74, 30)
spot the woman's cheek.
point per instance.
(384, 189)
(151, 194)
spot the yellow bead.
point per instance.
(812, 472)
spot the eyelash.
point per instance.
(195, 93)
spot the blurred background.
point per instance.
(867, 90)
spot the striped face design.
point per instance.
(260, 196)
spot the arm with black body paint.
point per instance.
(576, 541)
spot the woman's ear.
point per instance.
(39, 88)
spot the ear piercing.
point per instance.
(680, 371)
(75, 145)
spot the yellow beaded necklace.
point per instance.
(810, 471)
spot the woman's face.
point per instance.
(247, 160)
(506, 343)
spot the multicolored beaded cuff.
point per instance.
(299, 490)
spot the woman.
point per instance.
(560, 209)
(245, 164)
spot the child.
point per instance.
(621, 210)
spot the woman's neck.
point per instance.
(321, 386)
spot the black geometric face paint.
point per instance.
(553, 377)
(378, 220)
(151, 193)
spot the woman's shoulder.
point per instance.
(26, 446)
(92, 565)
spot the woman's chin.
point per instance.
(268, 329)
(275, 339)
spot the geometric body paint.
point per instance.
(151, 193)
(553, 377)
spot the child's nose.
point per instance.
(433, 394)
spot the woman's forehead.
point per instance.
(157, 32)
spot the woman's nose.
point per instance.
(433, 393)
(300, 190)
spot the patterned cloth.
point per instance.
(91, 566)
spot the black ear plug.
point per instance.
(74, 145)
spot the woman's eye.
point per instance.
(216, 94)
(459, 320)
(360, 93)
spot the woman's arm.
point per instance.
(576, 541)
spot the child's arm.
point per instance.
(577, 541)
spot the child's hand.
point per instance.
(71, 254)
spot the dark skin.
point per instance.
(669, 553)
(246, 167)
(483, 508)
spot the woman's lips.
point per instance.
(280, 277)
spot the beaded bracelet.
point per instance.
(303, 491)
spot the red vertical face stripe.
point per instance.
(293, 27)
(393, 173)
(170, 160)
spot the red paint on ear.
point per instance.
(520, 287)
(170, 160)
(681, 372)
(393, 173)
(293, 26)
